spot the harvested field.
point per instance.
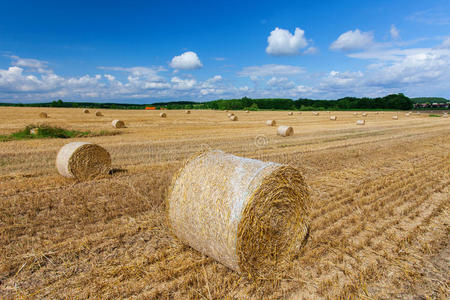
(379, 215)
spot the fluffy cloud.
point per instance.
(282, 42)
(270, 70)
(31, 64)
(186, 61)
(395, 34)
(183, 84)
(353, 40)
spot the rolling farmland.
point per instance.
(379, 192)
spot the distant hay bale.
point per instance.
(355, 114)
(333, 118)
(364, 115)
(445, 115)
(395, 117)
(43, 115)
(226, 110)
(34, 131)
(118, 124)
(299, 112)
(98, 114)
(271, 123)
(230, 115)
(360, 122)
(285, 130)
(250, 215)
(162, 115)
(315, 113)
(82, 160)
(86, 111)
(246, 111)
(187, 112)
(290, 113)
(407, 114)
(233, 118)
(377, 113)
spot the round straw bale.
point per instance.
(333, 118)
(315, 113)
(271, 123)
(43, 115)
(118, 124)
(445, 115)
(162, 115)
(233, 118)
(187, 112)
(290, 113)
(364, 114)
(98, 114)
(82, 160)
(285, 130)
(34, 131)
(395, 117)
(246, 111)
(86, 111)
(230, 115)
(355, 114)
(247, 214)
(360, 122)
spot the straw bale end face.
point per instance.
(86, 111)
(360, 122)
(98, 114)
(43, 115)
(290, 113)
(83, 160)
(162, 115)
(271, 122)
(285, 130)
(187, 112)
(118, 124)
(233, 118)
(333, 118)
(247, 214)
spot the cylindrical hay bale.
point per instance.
(271, 123)
(285, 130)
(246, 111)
(360, 122)
(333, 118)
(247, 214)
(98, 114)
(395, 117)
(377, 113)
(34, 131)
(82, 160)
(230, 115)
(364, 115)
(118, 124)
(315, 113)
(86, 111)
(233, 118)
(187, 112)
(162, 115)
(290, 113)
(43, 115)
(355, 114)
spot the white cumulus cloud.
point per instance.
(270, 70)
(187, 61)
(395, 34)
(353, 40)
(282, 42)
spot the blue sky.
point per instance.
(149, 51)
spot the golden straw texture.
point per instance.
(247, 214)
(285, 130)
(82, 160)
(43, 115)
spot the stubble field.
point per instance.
(380, 207)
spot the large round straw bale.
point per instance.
(162, 115)
(271, 123)
(395, 117)
(285, 130)
(187, 112)
(333, 118)
(86, 111)
(82, 160)
(290, 113)
(233, 118)
(43, 115)
(118, 124)
(98, 114)
(360, 122)
(247, 214)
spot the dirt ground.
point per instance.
(380, 212)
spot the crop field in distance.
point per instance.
(380, 206)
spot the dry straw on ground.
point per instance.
(43, 115)
(82, 160)
(360, 122)
(233, 118)
(118, 124)
(162, 115)
(86, 111)
(271, 122)
(249, 215)
(285, 130)
(98, 114)
(333, 118)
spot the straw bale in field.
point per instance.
(315, 113)
(230, 115)
(246, 111)
(271, 123)
(118, 124)
(364, 115)
(187, 112)
(82, 160)
(395, 117)
(86, 111)
(233, 118)
(360, 122)
(333, 118)
(285, 130)
(43, 115)
(98, 114)
(290, 113)
(162, 115)
(247, 214)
